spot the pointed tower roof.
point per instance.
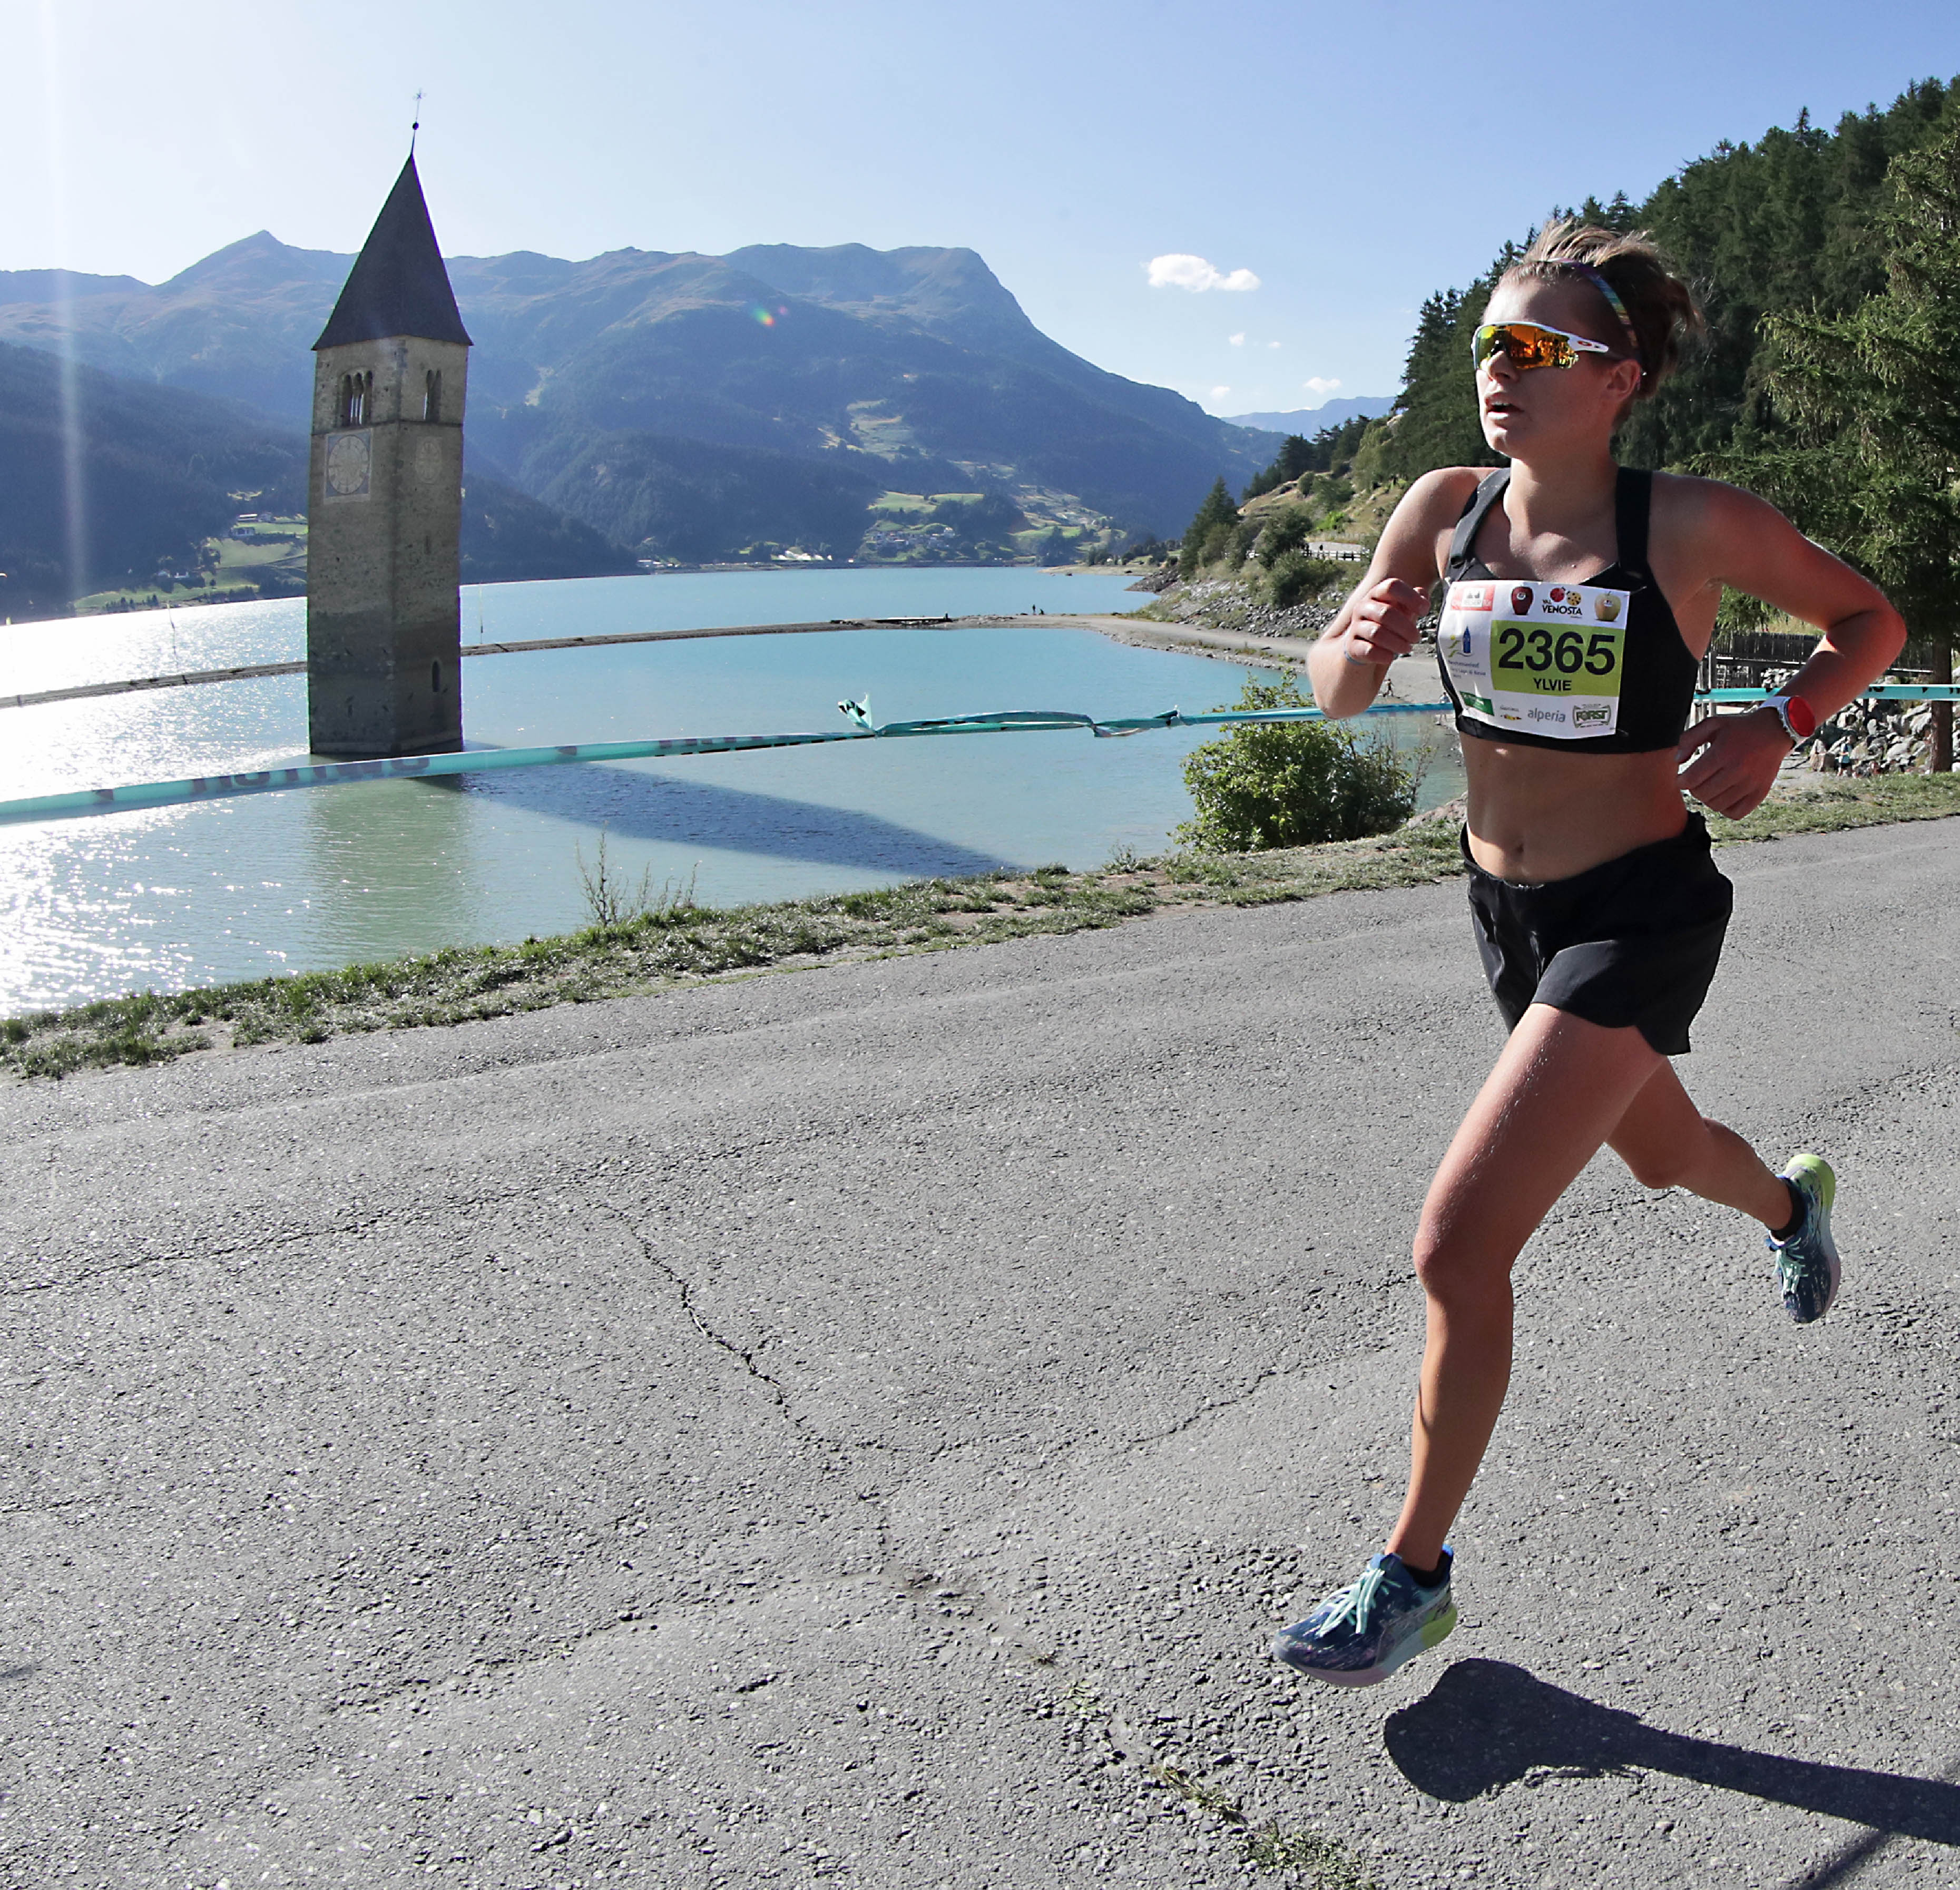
(398, 284)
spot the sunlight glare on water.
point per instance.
(166, 898)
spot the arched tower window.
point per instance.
(432, 394)
(354, 389)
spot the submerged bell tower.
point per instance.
(385, 498)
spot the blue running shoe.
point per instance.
(1361, 1633)
(1808, 1267)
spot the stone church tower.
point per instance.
(385, 498)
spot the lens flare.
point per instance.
(73, 446)
(767, 317)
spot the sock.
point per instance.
(1428, 1577)
(1799, 1207)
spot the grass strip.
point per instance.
(651, 949)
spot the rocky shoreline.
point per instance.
(1230, 604)
(1870, 738)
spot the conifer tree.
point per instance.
(1874, 398)
(1295, 456)
(1784, 224)
(1219, 510)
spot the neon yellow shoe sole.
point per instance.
(1807, 1268)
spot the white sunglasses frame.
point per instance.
(1582, 344)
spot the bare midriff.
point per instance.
(1536, 815)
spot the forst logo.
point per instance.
(1584, 715)
(1521, 599)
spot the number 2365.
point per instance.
(1538, 651)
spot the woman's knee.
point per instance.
(1453, 1268)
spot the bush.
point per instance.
(1291, 784)
(1295, 576)
(1284, 531)
(1223, 546)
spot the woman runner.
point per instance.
(1582, 597)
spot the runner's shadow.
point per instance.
(1486, 1724)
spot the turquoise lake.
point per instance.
(167, 898)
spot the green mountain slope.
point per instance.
(703, 504)
(155, 467)
(893, 365)
(508, 536)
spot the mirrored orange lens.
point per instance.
(1527, 346)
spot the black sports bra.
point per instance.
(1594, 669)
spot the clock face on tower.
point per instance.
(350, 459)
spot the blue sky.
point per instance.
(1349, 158)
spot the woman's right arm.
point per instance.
(1377, 624)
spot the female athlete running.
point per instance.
(1581, 599)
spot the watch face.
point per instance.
(1803, 717)
(350, 462)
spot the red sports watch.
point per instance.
(1799, 718)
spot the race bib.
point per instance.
(1543, 659)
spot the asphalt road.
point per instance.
(846, 1426)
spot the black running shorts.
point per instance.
(1633, 941)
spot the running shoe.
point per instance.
(1361, 1633)
(1808, 1267)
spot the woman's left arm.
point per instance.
(1744, 543)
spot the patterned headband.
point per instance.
(1619, 307)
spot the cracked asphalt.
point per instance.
(850, 1426)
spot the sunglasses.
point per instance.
(1528, 345)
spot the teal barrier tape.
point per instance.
(286, 775)
(1880, 692)
(290, 774)
(164, 793)
(1010, 721)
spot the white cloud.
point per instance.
(1317, 386)
(1194, 273)
(1237, 341)
(1272, 344)
(1219, 394)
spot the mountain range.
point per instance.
(161, 470)
(1308, 421)
(698, 407)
